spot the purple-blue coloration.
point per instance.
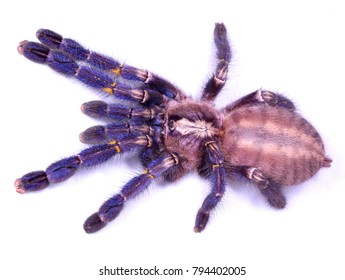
(143, 96)
(78, 52)
(132, 73)
(94, 77)
(62, 63)
(173, 134)
(98, 134)
(49, 38)
(68, 46)
(95, 109)
(217, 178)
(153, 81)
(63, 169)
(93, 223)
(135, 128)
(123, 112)
(65, 54)
(34, 51)
(97, 154)
(149, 154)
(214, 155)
(103, 62)
(136, 185)
(75, 50)
(33, 181)
(100, 109)
(111, 208)
(94, 135)
(135, 142)
(162, 86)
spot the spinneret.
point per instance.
(259, 137)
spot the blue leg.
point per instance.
(54, 40)
(219, 77)
(65, 168)
(132, 121)
(94, 77)
(78, 52)
(217, 177)
(120, 112)
(113, 206)
(99, 134)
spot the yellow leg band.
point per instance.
(116, 71)
(146, 171)
(215, 166)
(117, 147)
(108, 90)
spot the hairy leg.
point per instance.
(100, 134)
(262, 97)
(63, 169)
(91, 76)
(270, 189)
(219, 77)
(121, 112)
(113, 206)
(216, 174)
(73, 49)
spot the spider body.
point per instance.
(276, 141)
(260, 136)
(189, 126)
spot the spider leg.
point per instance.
(113, 206)
(270, 189)
(63, 169)
(262, 97)
(217, 178)
(219, 77)
(108, 64)
(132, 121)
(99, 134)
(121, 112)
(93, 77)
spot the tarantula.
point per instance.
(260, 136)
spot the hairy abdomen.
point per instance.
(279, 142)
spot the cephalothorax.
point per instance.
(259, 136)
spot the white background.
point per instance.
(293, 47)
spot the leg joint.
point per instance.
(257, 177)
(147, 171)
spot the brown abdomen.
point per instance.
(279, 142)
